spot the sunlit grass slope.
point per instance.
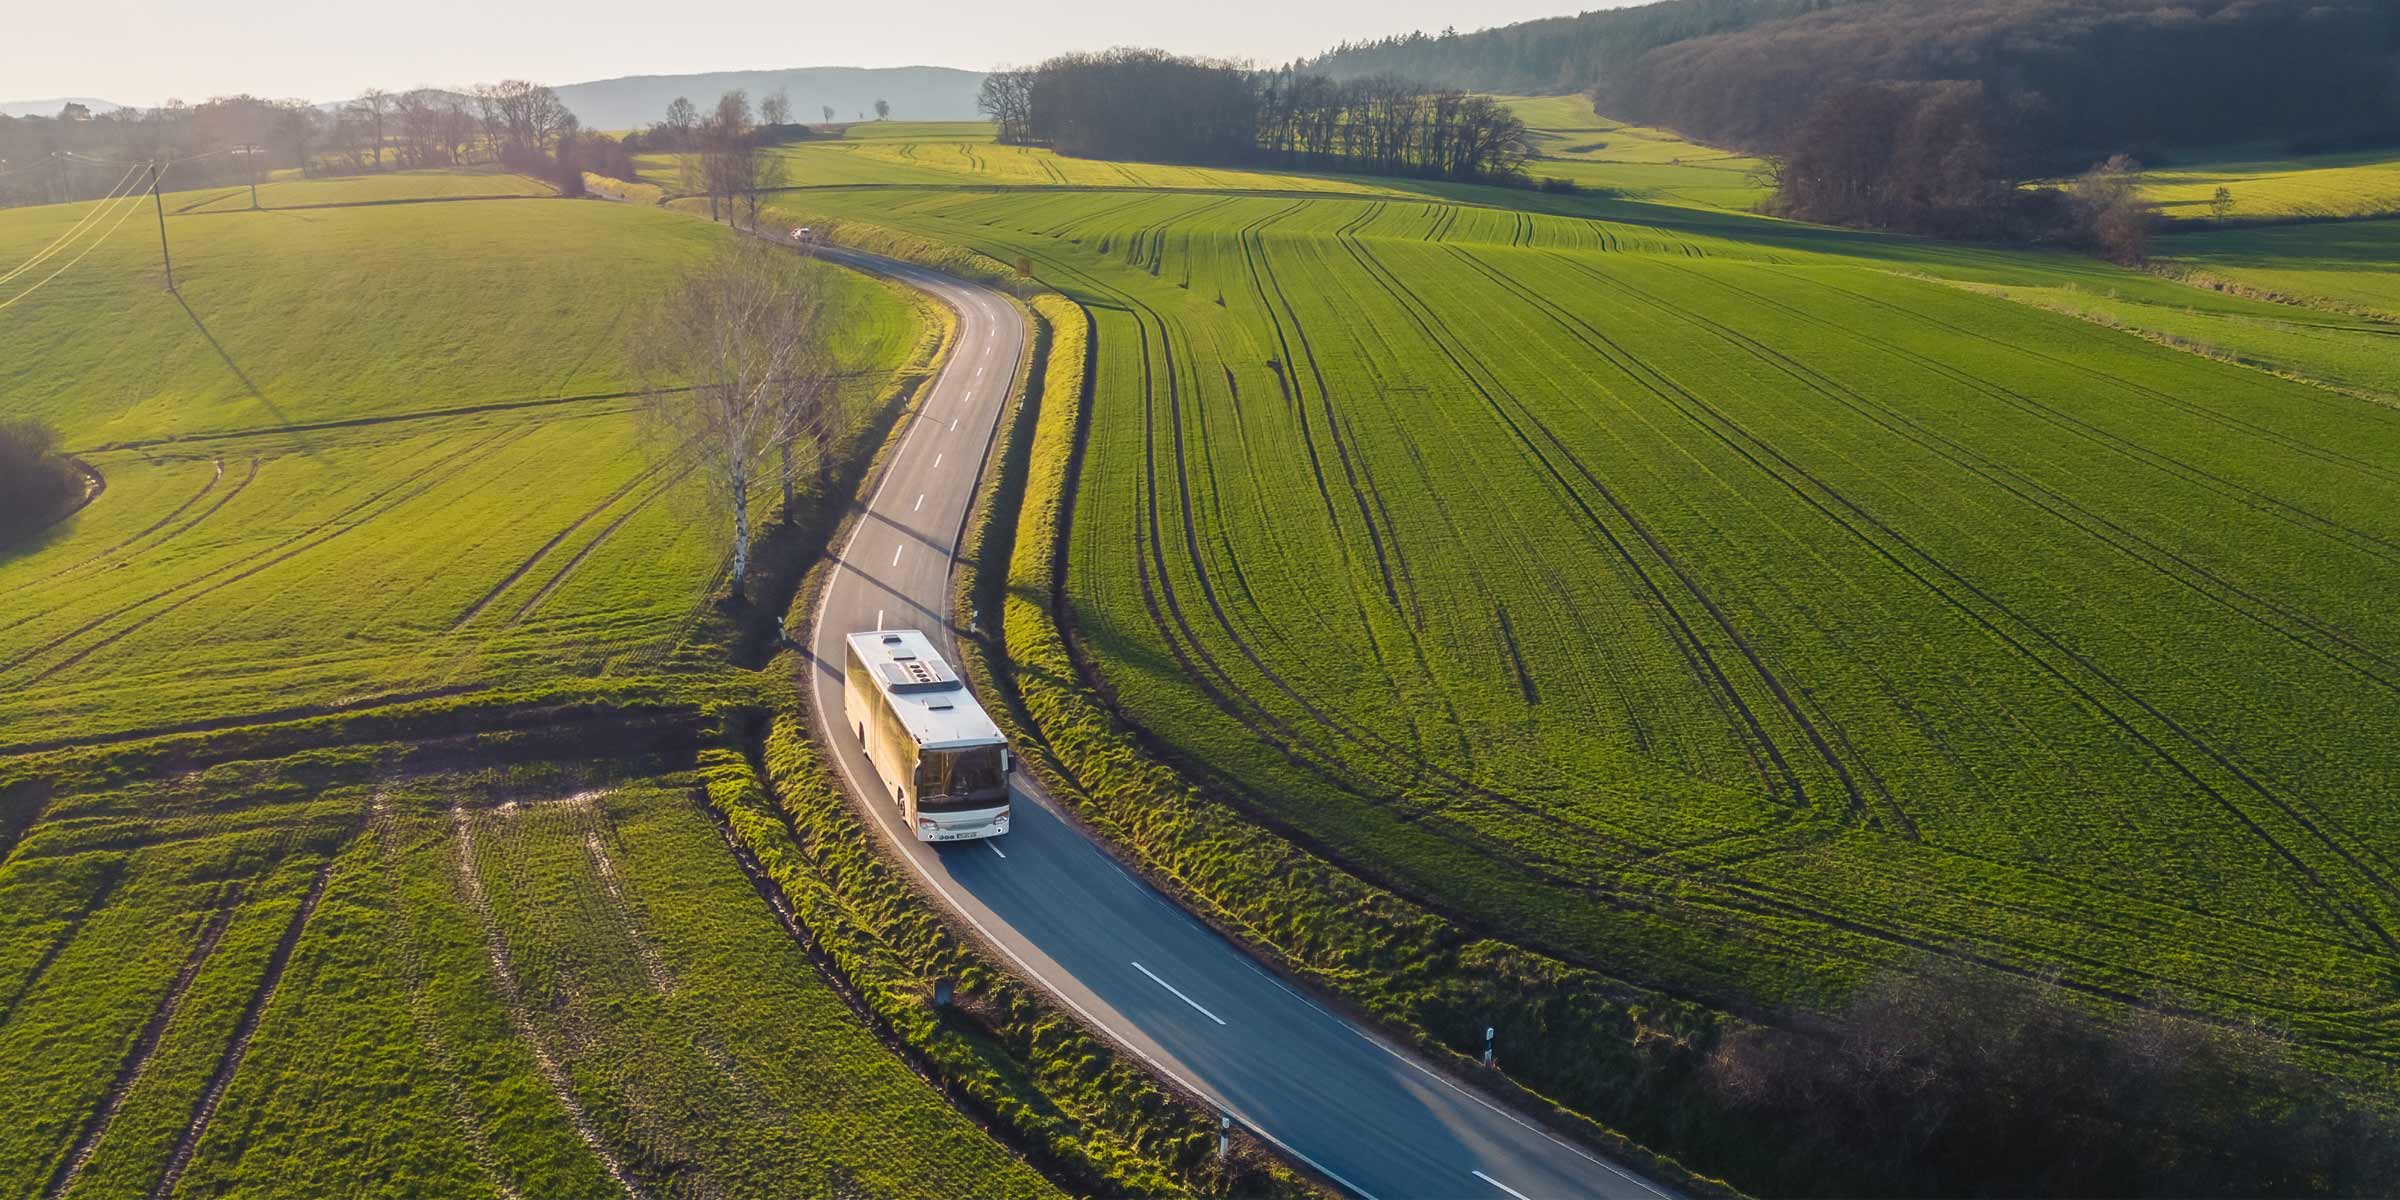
(1572, 142)
(361, 451)
(387, 187)
(962, 153)
(2363, 184)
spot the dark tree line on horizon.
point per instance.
(1152, 105)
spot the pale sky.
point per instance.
(143, 52)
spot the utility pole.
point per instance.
(161, 206)
(250, 154)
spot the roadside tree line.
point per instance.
(1149, 104)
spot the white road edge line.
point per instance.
(1502, 1186)
(1178, 993)
(926, 873)
(995, 847)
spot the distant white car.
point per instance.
(802, 234)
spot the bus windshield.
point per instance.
(952, 779)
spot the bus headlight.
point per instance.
(926, 827)
(1000, 823)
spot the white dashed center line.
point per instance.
(896, 553)
(937, 460)
(920, 505)
(1502, 1186)
(1188, 1000)
(996, 848)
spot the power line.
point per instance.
(133, 200)
(73, 231)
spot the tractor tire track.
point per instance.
(2199, 579)
(552, 584)
(385, 829)
(520, 1019)
(1695, 650)
(211, 1096)
(1856, 524)
(181, 584)
(113, 874)
(472, 457)
(484, 601)
(217, 474)
(1167, 614)
(1266, 271)
(137, 1058)
(172, 534)
(2351, 537)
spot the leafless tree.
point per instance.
(728, 158)
(1007, 98)
(737, 367)
(2111, 210)
(829, 114)
(377, 103)
(776, 109)
(521, 120)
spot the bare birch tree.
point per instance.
(737, 366)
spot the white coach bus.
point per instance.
(943, 761)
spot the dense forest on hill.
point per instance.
(1552, 55)
(2083, 78)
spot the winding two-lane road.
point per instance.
(1364, 1113)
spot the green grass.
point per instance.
(962, 153)
(394, 186)
(2361, 184)
(1712, 601)
(467, 927)
(299, 512)
(1572, 142)
(2354, 265)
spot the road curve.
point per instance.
(1367, 1114)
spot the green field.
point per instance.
(313, 977)
(963, 154)
(1737, 606)
(2353, 265)
(385, 188)
(362, 451)
(1572, 142)
(376, 459)
(2273, 187)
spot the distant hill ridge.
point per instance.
(631, 101)
(49, 108)
(915, 93)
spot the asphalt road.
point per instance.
(1371, 1117)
